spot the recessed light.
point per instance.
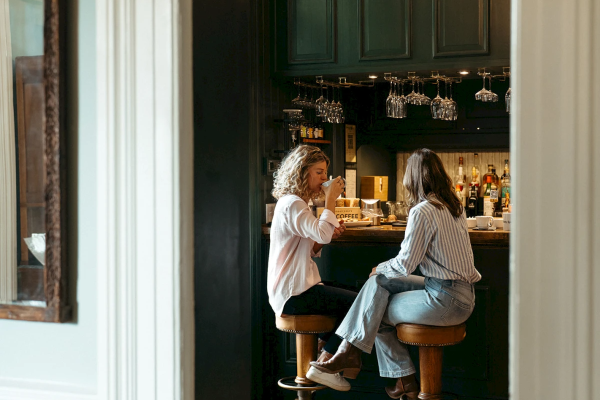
(463, 72)
(372, 76)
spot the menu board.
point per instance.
(350, 183)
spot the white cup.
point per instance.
(485, 222)
(471, 222)
(329, 182)
(506, 221)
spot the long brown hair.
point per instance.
(292, 175)
(426, 179)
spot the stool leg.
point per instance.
(430, 360)
(306, 351)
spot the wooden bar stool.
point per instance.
(306, 328)
(431, 340)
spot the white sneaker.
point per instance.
(334, 381)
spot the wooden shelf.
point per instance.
(306, 140)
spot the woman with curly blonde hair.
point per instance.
(293, 280)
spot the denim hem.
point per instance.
(355, 342)
(398, 374)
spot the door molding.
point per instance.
(145, 200)
(555, 257)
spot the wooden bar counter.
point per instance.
(391, 234)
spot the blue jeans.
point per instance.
(373, 317)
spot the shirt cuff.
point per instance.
(317, 254)
(330, 217)
(382, 268)
(385, 268)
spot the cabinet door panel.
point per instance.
(385, 29)
(311, 31)
(460, 28)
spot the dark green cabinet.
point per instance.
(327, 37)
(311, 31)
(460, 28)
(384, 44)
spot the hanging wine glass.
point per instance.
(389, 102)
(490, 97)
(412, 97)
(424, 99)
(436, 104)
(483, 92)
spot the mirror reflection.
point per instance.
(22, 153)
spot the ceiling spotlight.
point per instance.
(463, 72)
(372, 76)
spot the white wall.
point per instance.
(26, 27)
(62, 357)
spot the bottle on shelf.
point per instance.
(505, 181)
(498, 203)
(484, 179)
(460, 182)
(475, 172)
(490, 196)
(471, 208)
(459, 194)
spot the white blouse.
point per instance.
(294, 231)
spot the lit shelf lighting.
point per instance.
(372, 76)
(463, 72)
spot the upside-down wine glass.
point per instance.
(389, 102)
(490, 97)
(436, 104)
(483, 92)
(400, 101)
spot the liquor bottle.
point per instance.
(505, 180)
(476, 172)
(498, 202)
(459, 194)
(484, 179)
(472, 202)
(460, 182)
(490, 197)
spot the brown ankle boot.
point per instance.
(324, 356)
(405, 385)
(346, 359)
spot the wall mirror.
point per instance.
(32, 164)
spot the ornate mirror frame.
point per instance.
(55, 270)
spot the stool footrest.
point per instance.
(290, 384)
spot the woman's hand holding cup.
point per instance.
(333, 188)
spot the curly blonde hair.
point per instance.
(292, 175)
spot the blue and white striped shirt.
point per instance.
(436, 242)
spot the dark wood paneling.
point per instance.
(460, 28)
(311, 31)
(385, 29)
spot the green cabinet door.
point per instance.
(460, 28)
(385, 29)
(311, 31)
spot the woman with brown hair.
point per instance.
(437, 241)
(293, 281)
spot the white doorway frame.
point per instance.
(555, 238)
(145, 200)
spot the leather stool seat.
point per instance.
(305, 323)
(431, 341)
(306, 328)
(425, 335)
